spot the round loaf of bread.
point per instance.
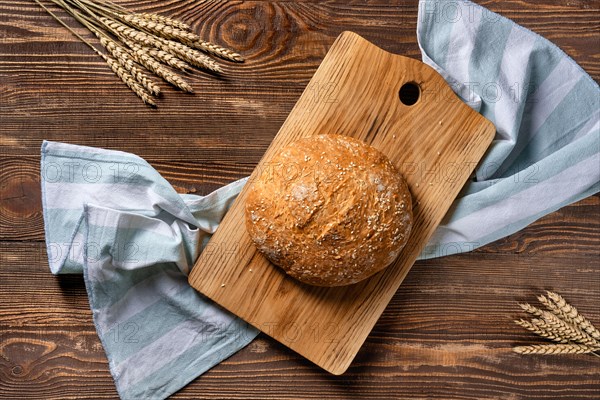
(329, 210)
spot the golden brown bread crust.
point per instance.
(330, 210)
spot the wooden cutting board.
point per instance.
(436, 143)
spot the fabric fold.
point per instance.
(112, 217)
(546, 111)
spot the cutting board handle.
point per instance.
(407, 87)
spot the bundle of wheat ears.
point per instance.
(140, 44)
(561, 323)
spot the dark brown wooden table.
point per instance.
(446, 334)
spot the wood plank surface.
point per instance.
(447, 332)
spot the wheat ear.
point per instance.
(159, 28)
(541, 331)
(124, 58)
(167, 58)
(531, 309)
(188, 54)
(129, 80)
(160, 55)
(555, 349)
(180, 50)
(114, 65)
(162, 20)
(144, 58)
(554, 309)
(570, 313)
(124, 31)
(189, 38)
(562, 329)
(218, 50)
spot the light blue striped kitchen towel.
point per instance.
(112, 217)
(546, 109)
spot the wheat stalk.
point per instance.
(120, 54)
(188, 54)
(177, 49)
(114, 65)
(141, 54)
(160, 29)
(126, 60)
(139, 41)
(167, 58)
(570, 312)
(124, 31)
(149, 62)
(555, 349)
(552, 323)
(540, 331)
(531, 309)
(163, 20)
(129, 80)
(218, 50)
(102, 6)
(168, 31)
(140, 76)
(560, 323)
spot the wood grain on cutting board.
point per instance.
(436, 143)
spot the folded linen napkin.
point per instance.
(111, 216)
(546, 109)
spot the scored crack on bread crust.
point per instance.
(330, 210)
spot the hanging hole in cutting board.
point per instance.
(410, 93)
